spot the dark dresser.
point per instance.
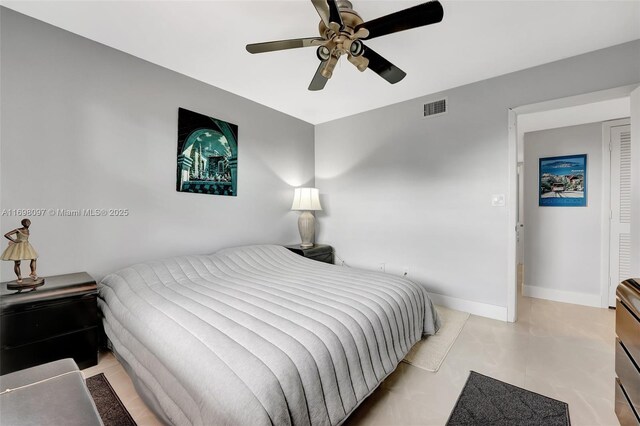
(319, 252)
(627, 386)
(58, 320)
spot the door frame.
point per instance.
(605, 253)
(520, 213)
(512, 190)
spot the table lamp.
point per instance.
(306, 200)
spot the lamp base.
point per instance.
(307, 228)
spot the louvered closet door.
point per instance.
(620, 243)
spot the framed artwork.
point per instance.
(563, 181)
(207, 155)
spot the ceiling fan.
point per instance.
(342, 31)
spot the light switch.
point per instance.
(497, 200)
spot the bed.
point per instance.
(258, 335)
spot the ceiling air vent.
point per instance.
(435, 107)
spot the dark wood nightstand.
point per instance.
(58, 320)
(319, 252)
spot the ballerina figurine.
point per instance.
(20, 249)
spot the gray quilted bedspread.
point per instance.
(258, 335)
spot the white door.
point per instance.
(620, 218)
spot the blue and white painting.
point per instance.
(563, 181)
(207, 155)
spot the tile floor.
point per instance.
(559, 350)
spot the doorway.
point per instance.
(588, 108)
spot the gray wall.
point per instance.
(87, 126)
(562, 244)
(415, 192)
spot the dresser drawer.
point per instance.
(42, 321)
(625, 413)
(82, 346)
(627, 327)
(628, 375)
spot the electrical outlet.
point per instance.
(381, 267)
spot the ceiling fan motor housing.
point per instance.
(343, 40)
(346, 34)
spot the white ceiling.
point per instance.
(476, 40)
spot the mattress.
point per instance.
(259, 335)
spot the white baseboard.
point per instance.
(574, 297)
(475, 308)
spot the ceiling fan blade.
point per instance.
(382, 67)
(319, 81)
(322, 7)
(271, 46)
(334, 15)
(413, 17)
(328, 11)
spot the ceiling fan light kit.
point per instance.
(342, 31)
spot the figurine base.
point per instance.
(26, 284)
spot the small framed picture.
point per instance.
(563, 181)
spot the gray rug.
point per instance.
(487, 401)
(110, 408)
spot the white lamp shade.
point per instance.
(306, 199)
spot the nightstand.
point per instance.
(58, 320)
(319, 252)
